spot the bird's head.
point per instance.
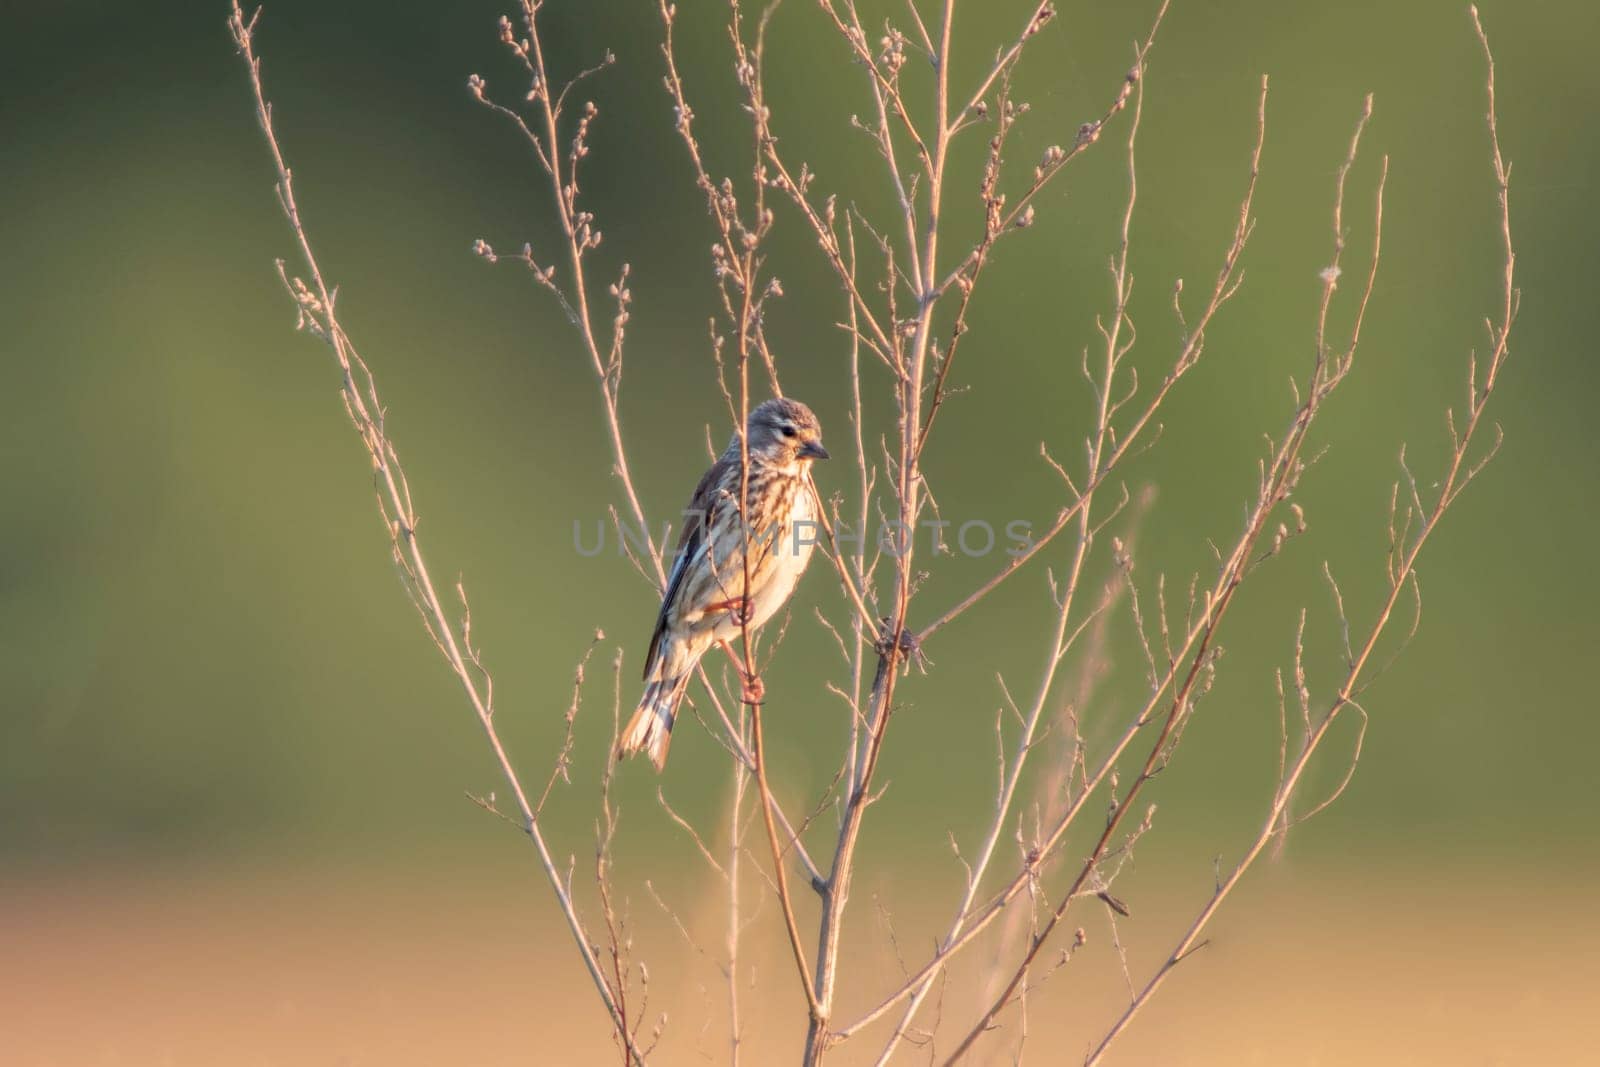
(784, 433)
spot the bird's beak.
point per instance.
(813, 450)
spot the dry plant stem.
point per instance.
(359, 392)
(1458, 474)
(864, 574)
(574, 227)
(744, 757)
(736, 255)
(1279, 478)
(741, 779)
(1115, 350)
(837, 892)
(739, 261)
(1131, 436)
(616, 939)
(748, 667)
(1000, 218)
(791, 927)
(978, 919)
(910, 362)
(863, 759)
(741, 264)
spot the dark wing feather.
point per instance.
(706, 497)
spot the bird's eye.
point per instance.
(788, 430)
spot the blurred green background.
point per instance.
(205, 659)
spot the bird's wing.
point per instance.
(691, 545)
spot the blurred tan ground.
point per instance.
(355, 969)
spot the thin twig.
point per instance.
(316, 305)
(1448, 489)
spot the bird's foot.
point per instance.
(737, 608)
(754, 691)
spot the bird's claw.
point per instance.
(754, 691)
(738, 609)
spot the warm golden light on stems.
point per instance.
(902, 302)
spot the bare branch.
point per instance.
(359, 390)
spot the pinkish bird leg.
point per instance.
(738, 607)
(753, 691)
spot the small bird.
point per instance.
(706, 602)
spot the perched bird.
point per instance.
(706, 602)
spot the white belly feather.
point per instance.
(791, 551)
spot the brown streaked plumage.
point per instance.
(706, 602)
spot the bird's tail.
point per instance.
(650, 729)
